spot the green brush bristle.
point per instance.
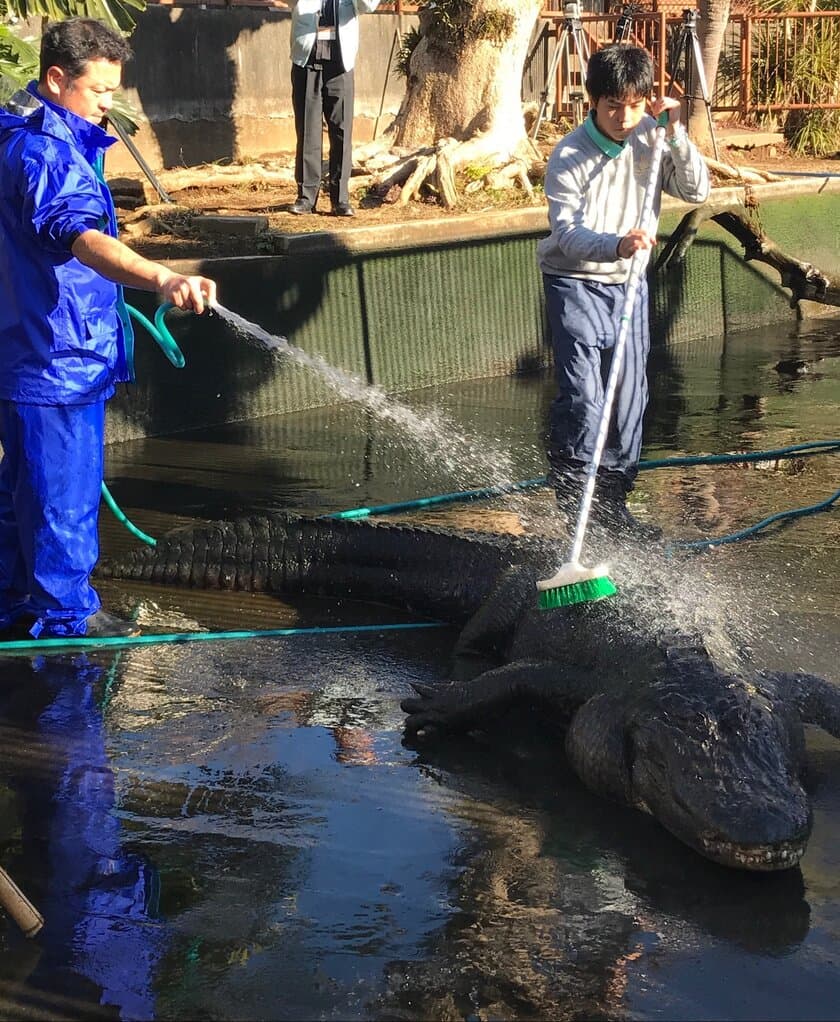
(587, 591)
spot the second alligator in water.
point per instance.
(649, 719)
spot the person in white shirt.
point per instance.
(325, 41)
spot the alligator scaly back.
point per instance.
(431, 570)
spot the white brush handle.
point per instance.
(637, 268)
(18, 906)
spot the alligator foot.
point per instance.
(488, 698)
(434, 710)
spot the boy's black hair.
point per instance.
(619, 71)
(72, 43)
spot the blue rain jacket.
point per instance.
(62, 336)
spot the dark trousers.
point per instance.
(323, 91)
(584, 317)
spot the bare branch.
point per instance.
(805, 281)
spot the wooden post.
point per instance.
(746, 75)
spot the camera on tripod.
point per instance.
(690, 17)
(571, 52)
(572, 10)
(624, 25)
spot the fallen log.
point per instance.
(748, 175)
(223, 177)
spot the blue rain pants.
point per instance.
(584, 319)
(50, 479)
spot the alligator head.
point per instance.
(713, 758)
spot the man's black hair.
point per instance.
(72, 43)
(619, 71)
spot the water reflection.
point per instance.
(560, 894)
(99, 899)
(294, 849)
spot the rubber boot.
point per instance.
(610, 511)
(567, 479)
(104, 625)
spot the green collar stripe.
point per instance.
(607, 146)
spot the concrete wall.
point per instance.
(432, 309)
(215, 85)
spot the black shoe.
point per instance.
(103, 625)
(343, 209)
(301, 206)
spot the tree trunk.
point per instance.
(711, 24)
(465, 74)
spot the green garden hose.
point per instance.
(805, 449)
(160, 332)
(82, 641)
(167, 344)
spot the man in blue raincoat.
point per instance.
(63, 329)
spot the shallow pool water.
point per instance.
(236, 831)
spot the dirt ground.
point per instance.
(265, 189)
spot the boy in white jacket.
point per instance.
(595, 183)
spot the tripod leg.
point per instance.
(688, 64)
(582, 50)
(675, 54)
(549, 77)
(704, 89)
(573, 95)
(576, 44)
(681, 60)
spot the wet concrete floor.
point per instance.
(235, 830)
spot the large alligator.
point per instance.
(650, 719)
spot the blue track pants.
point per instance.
(584, 319)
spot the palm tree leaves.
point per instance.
(19, 55)
(18, 62)
(116, 13)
